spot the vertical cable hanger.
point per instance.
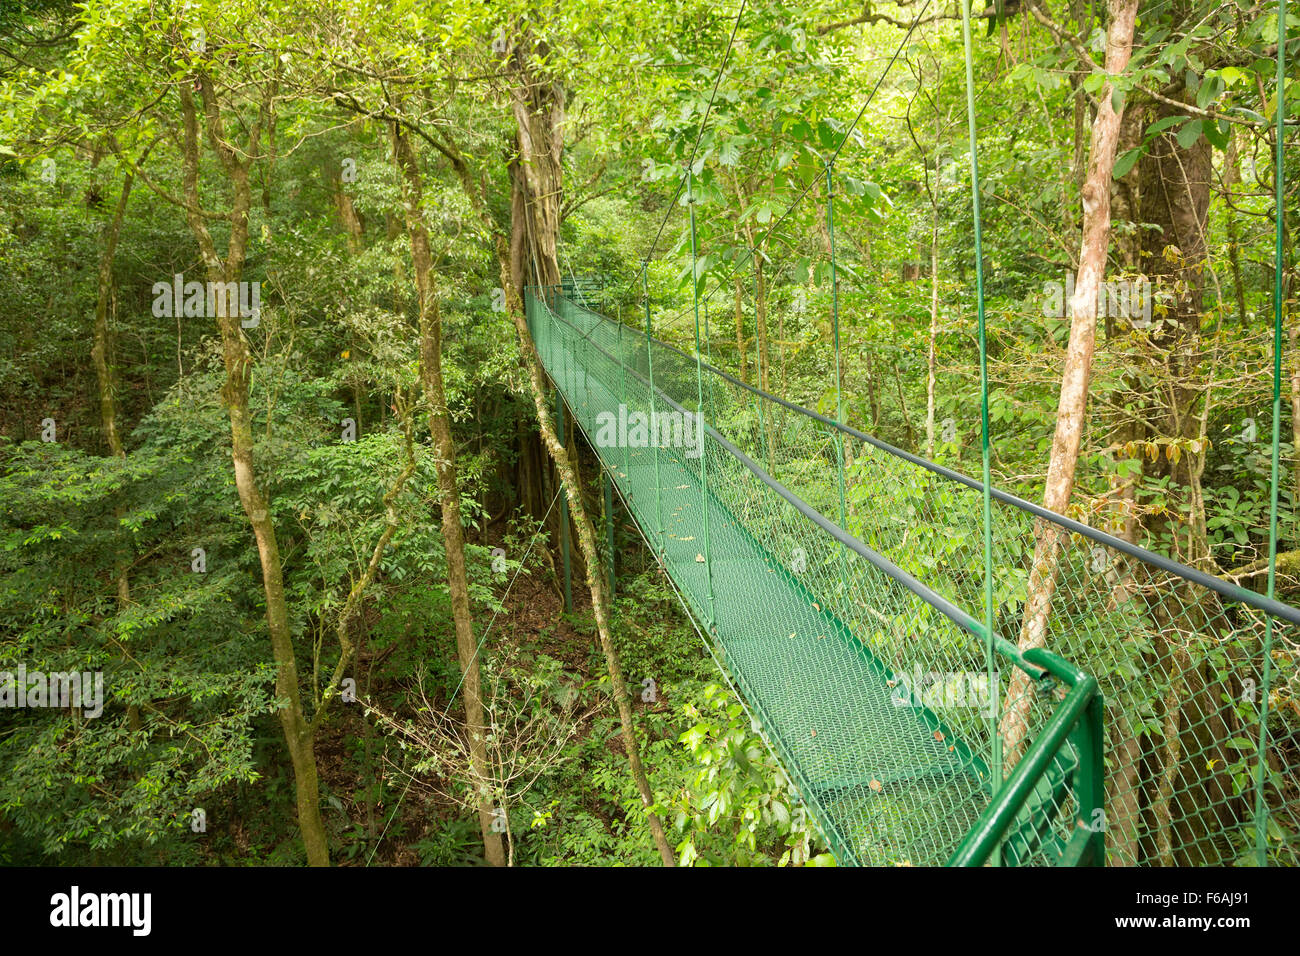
(1261, 803)
(996, 766)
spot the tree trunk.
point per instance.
(536, 175)
(347, 210)
(1126, 195)
(873, 391)
(760, 322)
(902, 409)
(1171, 757)
(1175, 197)
(538, 181)
(99, 354)
(453, 534)
(238, 362)
(1075, 375)
(782, 340)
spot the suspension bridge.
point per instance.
(832, 576)
(871, 686)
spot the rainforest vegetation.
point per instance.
(279, 462)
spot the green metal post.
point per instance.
(622, 397)
(1090, 782)
(564, 510)
(839, 397)
(699, 397)
(588, 350)
(568, 352)
(1261, 803)
(996, 763)
(758, 373)
(650, 373)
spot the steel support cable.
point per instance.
(986, 495)
(1261, 803)
(1227, 589)
(699, 383)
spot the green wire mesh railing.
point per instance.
(870, 686)
(1177, 654)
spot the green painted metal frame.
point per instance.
(1279, 177)
(1075, 725)
(1077, 722)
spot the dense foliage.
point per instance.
(126, 549)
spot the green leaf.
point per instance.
(1232, 75)
(1190, 133)
(1217, 134)
(1159, 126)
(1125, 162)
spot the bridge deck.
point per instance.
(884, 785)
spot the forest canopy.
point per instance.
(299, 477)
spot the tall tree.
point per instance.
(1077, 367)
(453, 533)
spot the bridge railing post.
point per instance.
(699, 398)
(622, 397)
(650, 374)
(758, 366)
(839, 373)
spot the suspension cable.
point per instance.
(1261, 804)
(994, 736)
